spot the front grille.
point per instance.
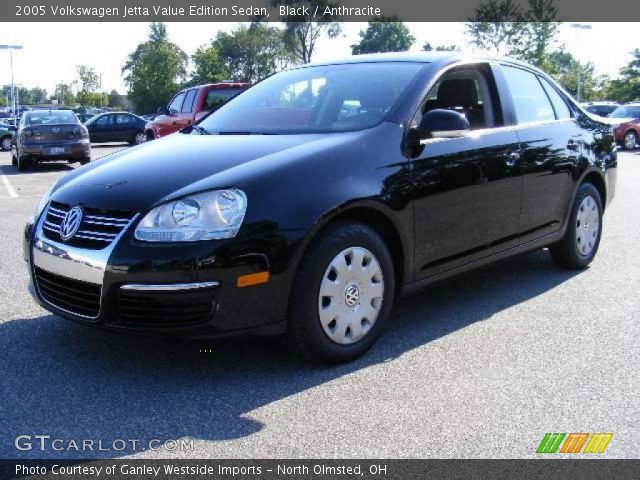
(98, 228)
(74, 296)
(166, 308)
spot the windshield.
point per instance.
(49, 118)
(330, 98)
(626, 112)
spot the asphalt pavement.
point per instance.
(481, 367)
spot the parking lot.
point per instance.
(480, 367)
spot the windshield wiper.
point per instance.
(200, 130)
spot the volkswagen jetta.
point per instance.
(306, 204)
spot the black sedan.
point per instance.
(116, 127)
(286, 213)
(48, 135)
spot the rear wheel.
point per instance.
(5, 143)
(139, 138)
(14, 156)
(149, 136)
(580, 243)
(24, 164)
(85, 160)
(342, 294)
(630, 140)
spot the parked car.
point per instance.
(6, 134)
(47, 135)
(625, 121)
(190, 105)
(602, 109)
(83, 117)
(116, 127)
(279, 214)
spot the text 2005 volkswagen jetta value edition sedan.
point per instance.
(307, 203)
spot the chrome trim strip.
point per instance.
(122, 221)
(171, 287)
(72, 262)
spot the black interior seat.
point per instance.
(461, 94)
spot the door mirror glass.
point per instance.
(442, 123)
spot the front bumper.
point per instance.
(162, 289)
(75, 149)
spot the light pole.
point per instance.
(580, 27)
(11, 48)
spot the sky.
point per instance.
(52, 50)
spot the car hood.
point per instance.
(141, 177)
(615, 121)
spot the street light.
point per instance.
(11, 48)
(580, 27)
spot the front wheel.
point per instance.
(342, 294)
(5, 143)
(139, 138)
(580, 243)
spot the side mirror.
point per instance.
(163, 111)
(440, 123)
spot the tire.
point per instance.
(630, 140)
(5, 143)
(24, 164)
(580, 243)
(150, 137)
(316, 337)
(84, 161)
(138, 139)
(14, 157)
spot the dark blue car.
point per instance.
(116, 127)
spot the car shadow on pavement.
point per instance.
(40, 168)
(72, 382)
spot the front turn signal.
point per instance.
(252, 279)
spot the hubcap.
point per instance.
(587, 225)
(350, 295)
(630, 140)
(6, 144)
(140, 138)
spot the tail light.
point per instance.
(81, 131)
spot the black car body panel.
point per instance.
(445, 206)
(115, 127)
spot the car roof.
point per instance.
(441, 59)
(219, 85)
(49, 111)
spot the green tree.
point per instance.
(497, 26)
(385, 34)
(64, 94)
(301, 32)
(115, 100)
(626, 88)
(209, 67)
(154, 70)
(427, 47)
(503, 27)
(88, 79)
(251, 53)
(564, 68)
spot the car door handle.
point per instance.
(512, 159)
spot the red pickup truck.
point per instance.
(189, 106)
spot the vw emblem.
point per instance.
(351, 295)
(71, 223)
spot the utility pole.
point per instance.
(580, 27)
(11, 48)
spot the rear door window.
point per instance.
(529, 98)
(559, 104)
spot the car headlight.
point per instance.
(205, 216)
